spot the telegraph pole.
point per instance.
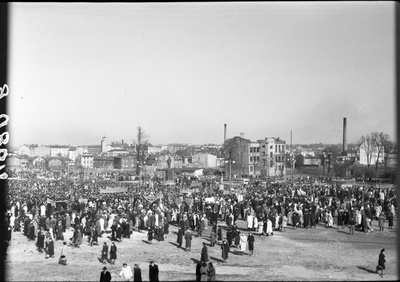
(291, 156)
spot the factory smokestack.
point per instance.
(224, 133)
(344, 136)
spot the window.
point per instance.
(251, 159)
(271, 155)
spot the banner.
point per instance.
(113, 190)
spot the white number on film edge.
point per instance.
(4, 139)
(3, 175)
(2, 89)
(3, 154)
(6, 119)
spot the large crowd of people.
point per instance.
(43, 209)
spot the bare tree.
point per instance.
(388, 146)
(380, 140)
(141, 143)
(367, 144)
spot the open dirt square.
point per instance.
(302, 254)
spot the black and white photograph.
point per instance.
(200, 141)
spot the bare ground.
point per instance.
(312, 254)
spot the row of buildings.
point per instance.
(268, 157)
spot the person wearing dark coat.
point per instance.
(59, 231)
(105, 275)
(31, 232)
(104, 253)
(225, 250)
(119, 233)
(381, 262)
(237, 238)
(229, 237)
(390, 220)
(198, 273)
(219, 238)
(179, 237)
(211, 272)
(166, 229)
(26, 226)
(188, 239)
(153, 272)
(137, 273)
(250, 240)
(40, 240)
(113, 253)
(204, 253)
(150, 235)
(17, 224)
(50, 248)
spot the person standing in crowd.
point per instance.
(390, 220)
(153, 272)
(219, 238)
(126, 272)
(243, 243)
(204, 253)
(204, 272)
(382, 219)
(137, 273)
(179, 236)
(213, 237)
(381, 263)
(104, 253)
(250, 240)
(63, 255)
(188, 239)
(225, 250)
(198, 273)
(113, 253)
(40, 240)
(352, 225)
(105, 275)
(50, 247)
(211, 272)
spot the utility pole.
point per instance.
(291, 156)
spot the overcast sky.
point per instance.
(182, 71)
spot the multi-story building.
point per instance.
(59, 151)
(86, 160)
(103, 162)
(254, 159)
(94, 149)
(272, 157)
(127, 162)
(117, 152)
(237, 156)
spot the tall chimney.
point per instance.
(224, 133)
(344, 136)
